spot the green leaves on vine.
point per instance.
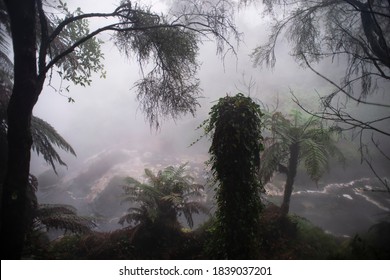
(235, 128)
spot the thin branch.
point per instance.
(384, 182)
(342, 117)
(340, 89)
(69, 20)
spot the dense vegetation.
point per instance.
(295, 238)
(243, 226)
(235, 128)
(46, 38)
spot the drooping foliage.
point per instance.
(293, 140)
(163, 92)
(44, 138)
(61, 216)
(352, 38)
(235, 129)
(163, 198)
(47, 37)
(356, 31)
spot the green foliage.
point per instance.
(163, 198)
(234, 126)
(86, 59)
(67, 248)
(292, 140)
(60, 216)
(139, 243)
(313, 242)
(316, 144)
(170, 88)
(44, 137)
(355, 32)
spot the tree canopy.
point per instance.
(350, 33)
(48, 38)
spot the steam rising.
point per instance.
(112, 139)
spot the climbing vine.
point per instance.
(234, 126)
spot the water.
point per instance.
(343, 208)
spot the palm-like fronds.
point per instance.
(163, 198)
(44, 137)
(316, 144)
(270, 160)
(135, 216)
(296, 140)
(61, 216)
(315, 158)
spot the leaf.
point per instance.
(44, 137)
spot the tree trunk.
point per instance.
(16, 210)
(292, 171)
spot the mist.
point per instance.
(112, 138)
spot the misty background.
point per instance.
(112, 139)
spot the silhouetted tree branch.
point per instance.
(351, 31)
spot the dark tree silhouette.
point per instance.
(351, 33)
(293, 141)
(42, 41)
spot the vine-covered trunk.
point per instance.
(292, 171)
(235, 151)
(16, 211)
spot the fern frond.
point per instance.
(60, 216)
(56, 209)
(174, 198)
(270, 160)
(135, 216)
(132, 181)
(315, 158)
(153, 179)
(44, 137)
(171, 189)
(191, 208)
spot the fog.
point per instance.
(111, 137)
(109, 109)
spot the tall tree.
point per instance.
(42, 41)
(350, 33)
(235, 128)
(292, 141)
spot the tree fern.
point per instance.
(61, 216)
(311, 142)
(162, 198)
